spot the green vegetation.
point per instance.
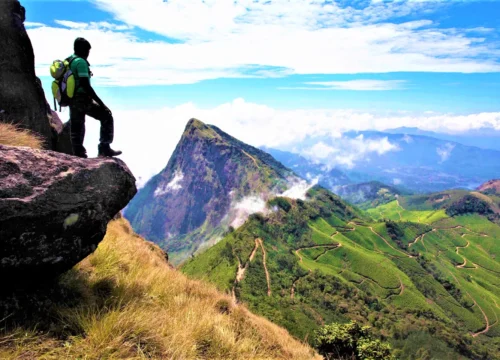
(411, 275)
(394, 211)
(126, 302)
(370, 194)
(469, 204)
(351, 341)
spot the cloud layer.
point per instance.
(359, 85)
(156, 132)
(243, 38)
(346, 152)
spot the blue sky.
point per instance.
(257, 67)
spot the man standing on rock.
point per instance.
(86, 102)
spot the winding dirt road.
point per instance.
(456, 251)
(297, 252)
(240, 274)
(268, 278)
(488, 325)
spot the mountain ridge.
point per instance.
(191, 202)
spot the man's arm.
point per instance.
(85, 84)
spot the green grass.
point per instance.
(370, 275)
(396, 213)
(125, 302)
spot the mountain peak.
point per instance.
(194, 200)
(198, 129)
(195, 123)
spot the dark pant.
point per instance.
(80, 107)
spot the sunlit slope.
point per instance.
(394, 211)
(433, 275)
(126, 302)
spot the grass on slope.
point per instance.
(12, 135)
(395, 212)
(125, 301)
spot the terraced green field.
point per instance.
(405, 272)
(395, 212)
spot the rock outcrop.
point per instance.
(54, 210)
(22, 100)
(62, 137)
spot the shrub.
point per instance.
(350, 341)
(469, 204)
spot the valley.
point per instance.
(404, 271)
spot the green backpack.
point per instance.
(63, 86)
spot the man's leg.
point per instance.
(77, 128)
(107, 128)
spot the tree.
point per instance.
(351, 341)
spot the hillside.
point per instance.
(490, 187)
(368, 195)
(195, 198)
(125, 301)
(415, 162)
(423, 163)
(424, 280)
(485, 138)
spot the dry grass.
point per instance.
(14, 136)
(134, 306)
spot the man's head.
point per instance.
(82, 48)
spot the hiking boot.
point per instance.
(106, 151)
(82, 155)
(80, 151)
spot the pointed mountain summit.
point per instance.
(210, 181)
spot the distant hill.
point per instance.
(491, 187)
(210, 182)
(418, 163)
(307, 169)
(368, 195)
(424, 278)
(482, 138)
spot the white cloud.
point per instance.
(298, 188)
(102, 25)
(346, 152)
(173, 185)
(397, 181)
(240, 212)
(263, 39)
(30, 24)
(158, 131)
(242, 209)
(444, 152)
(360, 85)
(407, 139)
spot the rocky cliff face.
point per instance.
(189, 202)
(22, 100)
(54, 210)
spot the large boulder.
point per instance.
(54, 209)
(22, 100)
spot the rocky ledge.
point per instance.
(54, 209)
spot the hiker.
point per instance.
(86, 102)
